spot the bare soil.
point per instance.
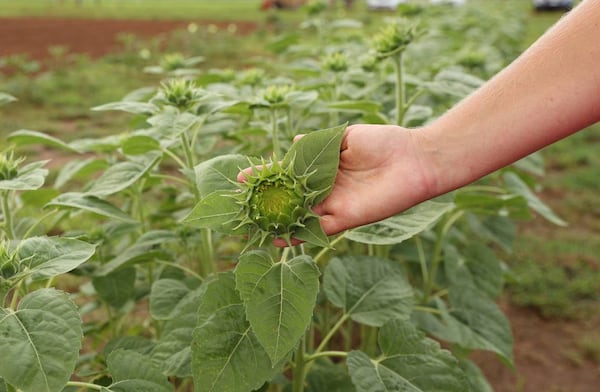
(546, 354)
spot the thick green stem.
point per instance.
(400, 89)
(275, 133)
(299, 367)
(189, 161)
(422, 259)
(342, 354)
(207, 262)
(6, 212)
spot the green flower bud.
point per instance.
(8, 266)
(274, 201)
(392, 39)
(9, 166)
(276, 94)
(335, 62)
(252, 77)
(172, 61)
(181, 93)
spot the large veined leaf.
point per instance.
(475, 377)
(226, 355)
(146, 248)
(164, 296)
(219, 173)
(173, 350)
(122, 175)
(279, 299)
(129, 107)
(474, 321)
(518, 186)
(40, 341)
(402, 226)
(317, 153)
(216, 212)
(132, 371)
(116, 288)
(478, 267)
(371, 290)
(28, 137)
(90, 203)
(30, 176)
(409, 362)
(46, 257)
(81, 167)
(327, 376)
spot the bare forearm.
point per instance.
(548, 93)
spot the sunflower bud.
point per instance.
(7, 263)
(9, 166)
(275, 201)
(276, 94)
(181, 93)
(335, 62)
(392, 39)
(172, 62)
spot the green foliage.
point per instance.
(155, 216)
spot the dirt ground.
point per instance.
(545, 350)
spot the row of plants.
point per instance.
(145, 248)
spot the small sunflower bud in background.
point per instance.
(335, 62)
(393, 39)
(9, 166)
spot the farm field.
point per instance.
(59, 67)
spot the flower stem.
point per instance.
(275, 133)
(6, 212)
(299, 367)
(400, 89)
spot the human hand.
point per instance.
(383, 170)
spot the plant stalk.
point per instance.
(275, 133)
(85, 385)
(6, 212)
(299, 367)
(400, 89)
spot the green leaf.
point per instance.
(129, 107)
(312, 233)
(122, 175)
(132, 371)
(355, 106)
(514, 206)
(138, 344)
(475, 377)
(216, 212)
(116, 288)
(146, 248)
(46, 257)
(6, 98)
(173, 350)
(30, 176)
(478, 267)
(139, 144)
(27, 137)
(327, 376)
(519, 187)
(371, 290)
(40, 341)
(90, 203)
(164, 296)
(226, 355)
(279, 297)
(83, 167)
(317, 154)
(403, 226)
(219, 173)
(474, 322)
(409, 362)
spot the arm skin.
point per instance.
(551, 91)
